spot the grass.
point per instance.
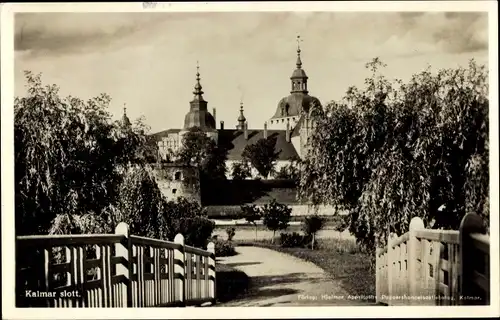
(230, 282)
(341, 259)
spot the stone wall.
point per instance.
(298, 210)
(176, 181)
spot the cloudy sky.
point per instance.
(148, 60)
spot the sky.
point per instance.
(148, 60)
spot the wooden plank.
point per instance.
(197, 251)
(47, 241)
(481, 242)
(447, 236)
(154, 242)
(198, 276)
(92, 263)
(207, 287)
(481, 281)
(116, 279)
(61, 267)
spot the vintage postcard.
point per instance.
(209, 160)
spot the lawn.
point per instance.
(340, 258)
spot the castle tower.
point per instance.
(125, 120)
(294, 106)
(299, 77)
(241, 118)
(198, 115)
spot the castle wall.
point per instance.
(177, 181)
(298, 210)
(280, 123)
(254, 173)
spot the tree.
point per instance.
(69, 156)
(251, 214)
(189, 219)
(290, 172)
(262, 155)
(240, 170)
(202, 152)
(397, 150)
(312, 225)
(276, 216)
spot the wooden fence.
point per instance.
(112, 270)
(435, 267)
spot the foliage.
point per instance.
(312, 225)
(276, 216)
(69, 156)
(252, 214)
(79, 172)
(290, 172)
(189, 219)
(241, 170)
(224, 248)
(340, 222)
(397, 150)
(262, 155)
(231, 232)
(202, 152)
(294, 240)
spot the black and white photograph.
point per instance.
(212, 155)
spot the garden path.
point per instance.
(278, 279)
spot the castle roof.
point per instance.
(165, 133)
(234, 142)
(295, 104)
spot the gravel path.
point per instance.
(278, 279)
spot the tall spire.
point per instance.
(299, 77)
(299, 61)
(241, 118)
(125, 119)
(198, 93)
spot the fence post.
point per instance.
(179, 268)
(211, 271)
(390, 267)
(413, 257)
(377, 275)
(124, 250)
(471, 223)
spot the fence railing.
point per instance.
(435, 267)
(112, 270)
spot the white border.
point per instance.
(7, 72)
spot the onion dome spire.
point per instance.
(198, 93)
(125, 119)
(299, 61)
(241, 118)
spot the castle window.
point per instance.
(177, 176)
(282, 120)
(174, 191)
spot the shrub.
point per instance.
(294, 240)
(189, 219)
(251, 214)
(276, 216)
(224, 248)
(312, 225)
(231, 232)
(241, 171)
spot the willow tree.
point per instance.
(69, 158)
(393, 150)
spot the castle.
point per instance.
(291, 125)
